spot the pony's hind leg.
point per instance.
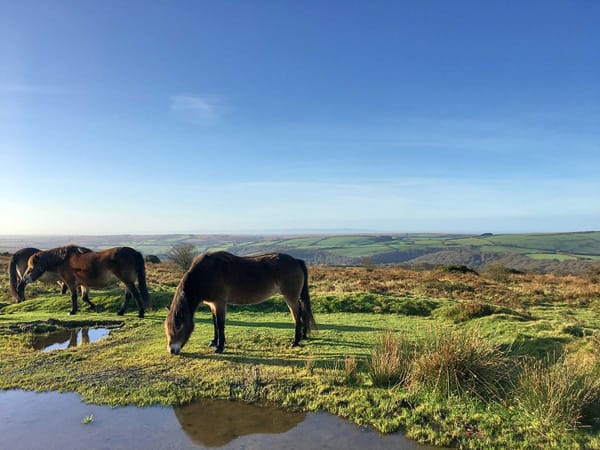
(73, 290)
(294, 307)
(125, 303)
(85, 295)
(213, 343)
(132, 290)
(303, 321)
(219, 312)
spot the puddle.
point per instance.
(55, 421)
(67, 338)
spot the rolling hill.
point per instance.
(544, 252)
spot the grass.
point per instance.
(391, 360)
(462, 362)
(87, 419)
(555, 393)
(395, 350)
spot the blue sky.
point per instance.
(264, 116)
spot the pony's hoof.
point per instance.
(213, 343)
(120, 313)
(72, 312)
(294, 344)
(219, 350)
(141, 315)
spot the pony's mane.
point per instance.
(180, 307)
(55, 256)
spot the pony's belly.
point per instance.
(49, 277)
(101, 281)
(252, 296)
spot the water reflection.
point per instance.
(67, 338)
(54, 421)
(214, 423)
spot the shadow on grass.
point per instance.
(290, 325)
(297, 361)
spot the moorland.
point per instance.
(448, 355)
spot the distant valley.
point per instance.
(556, 252)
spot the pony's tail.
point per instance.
(13, 278)
(307, 315)
(141, 273)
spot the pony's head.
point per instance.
(36, 266)
(179, 323)
(39, 262)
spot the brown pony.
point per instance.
(94, 270)
(219, 278)
(17, 267)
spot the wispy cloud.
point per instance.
(204, 109)
(23, 88)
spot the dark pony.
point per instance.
(94, 270)
(17, 267)
(219, 278)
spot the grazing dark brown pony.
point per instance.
(94, 270)
(17, 267)
(219, 278)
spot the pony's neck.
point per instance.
(52, 261)
(191, 292)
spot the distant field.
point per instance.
(552, 252)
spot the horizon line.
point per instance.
(288, 233)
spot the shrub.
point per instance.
(182, 255)
(555, 395)
(152, 259)
(391, 360)
(462, 362)
(448, 288)
(457, 268)
(463, 311)
(367, 263)
(499, 272)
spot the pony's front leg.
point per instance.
(21, 291)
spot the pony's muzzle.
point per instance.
(27, 278)
(174, 349)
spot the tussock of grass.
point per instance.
(554, 395)
(461, 362)
(390, 362)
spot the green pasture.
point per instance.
(132, 366)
